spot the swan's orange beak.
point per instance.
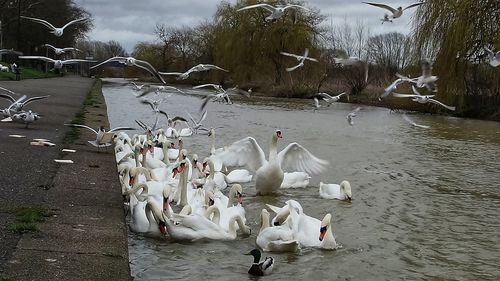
(322, 232)
(181, 168)
(131, 181)
(174, 172)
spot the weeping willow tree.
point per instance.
(453, 33)
(250, 46)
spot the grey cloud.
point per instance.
(130, 21)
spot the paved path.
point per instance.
(85, 236)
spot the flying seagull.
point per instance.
(299, 58)
(425, 80)
(396, 13)
(494, 57)
(58, 64)
(158, 89)
(407, 119)
(351, 115)
(56, 31)
(16, 105)
(60, 51)
(130, 61)
(196, 68)
(330, 99)
(222, 96)
(276, 11)
(422, 99)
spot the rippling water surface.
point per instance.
(426, 201)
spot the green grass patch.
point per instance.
(26, 218)
(5, 278)
(90, 101)
(26, 73)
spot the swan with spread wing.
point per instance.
(269, 173)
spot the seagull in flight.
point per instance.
(60, 51)
(103, 137)
(130, 61)
(276, 11)
(423, 98)
(407, 119)
(16, 105)
(396, 13)
(351, 115)
(299, 58)
(425, 80)
(330, 99)
(158, 89)
(10, 51)
(196, 68)
(55, 30)
(222, 96)
(494, 57)
(391, 88)
(197, 125)
(58, 64)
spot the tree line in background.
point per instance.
(451, 34)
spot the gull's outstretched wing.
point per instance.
(74, 21)
(81, 126)
(122, 129)
(413, 5)
(37, 58)
(119, 59)
(383, 6)
(148, 67)
(40, 21)
(442, 104)
(265, 6)
(35, 99)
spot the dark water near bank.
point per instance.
(426, 201)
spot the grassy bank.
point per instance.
(92, 100)
(27, 73)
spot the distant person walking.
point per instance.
(16, 71)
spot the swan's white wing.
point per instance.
(37, 58)
(265, 6)
(119, 59)
(442, 104)
(383, 6)
(82, 126)
(414, 5)
(296, 158)
(74, 21)
(243, 153)
(40, 21)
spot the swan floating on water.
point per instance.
(335, 191)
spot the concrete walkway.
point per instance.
(85, 236)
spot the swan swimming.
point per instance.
(335, 191)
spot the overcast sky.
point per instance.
(131, 21)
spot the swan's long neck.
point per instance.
(212, 170)
(135, 188)
(232, 226)
(329, 241)
(183, 185)
(264, 221)
(165, 154)
(136, 157)
(273, 150)
(216, 214)
(231, 198)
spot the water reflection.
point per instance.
(425, 200)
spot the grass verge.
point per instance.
(5, 278)
(90, 101)
(26, 218)
(27, 73)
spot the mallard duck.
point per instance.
(260, 268)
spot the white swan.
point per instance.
(196, 227)
(295, 180)
(239, 175)
(276, 238)
(230, 206)
(335, 191)
(269, 174)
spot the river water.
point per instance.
(426, 202)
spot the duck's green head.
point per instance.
(256, 255)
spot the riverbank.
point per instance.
(83, 235)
